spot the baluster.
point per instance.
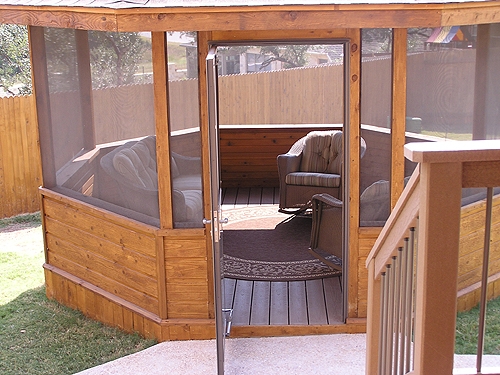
(397, 304)
(410, 301)
(484, 280)
(404, 314)
(383, 322)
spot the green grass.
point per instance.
(451, 136)
(467, 330)
(37, 335)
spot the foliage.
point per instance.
(467, 330)
(14, 60)
(115, 57)
(293, 56)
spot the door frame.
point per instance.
(352, 61)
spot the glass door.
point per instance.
(222, 316)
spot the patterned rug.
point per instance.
(262, 244)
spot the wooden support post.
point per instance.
(160, 74)
(351, 218)
(373, 321)
(398, 113)
(437, 267)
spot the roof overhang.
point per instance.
(258, 17)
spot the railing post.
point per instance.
(373, 321)
(437, 267)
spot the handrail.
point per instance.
(432, 200)
(402, 217)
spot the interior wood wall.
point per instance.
(248, 156)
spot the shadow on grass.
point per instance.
(40, 336)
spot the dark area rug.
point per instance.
(261, 244)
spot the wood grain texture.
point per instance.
(398, 113)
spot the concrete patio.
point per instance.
(325, 354)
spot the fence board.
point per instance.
(20, 173)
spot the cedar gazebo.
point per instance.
(147, 265)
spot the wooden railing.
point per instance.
(412, 298)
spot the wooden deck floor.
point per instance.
(311, 302)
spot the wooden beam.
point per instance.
(42, 95)
(160, 86)
(352, 195)
(398, 113)
(238, 35)
(85, 86)
(284, 17)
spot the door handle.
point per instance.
(206, 221)
(224, 221)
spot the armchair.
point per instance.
(313, 165)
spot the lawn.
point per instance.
(39, 336)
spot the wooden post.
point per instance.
(351, 220)
(398, 113)
(373, 321)
(160, 86)
(480, 83)
(437, 267)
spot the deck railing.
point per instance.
(412, 289)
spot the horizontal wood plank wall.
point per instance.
(20, 174)
(118, 259)
(186, 265)
(471, 254)
(367, 238)
(248, 156)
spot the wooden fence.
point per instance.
(439, 92)
(20, 172)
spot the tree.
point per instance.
(115, 57)
(15, 72)
(293, 56)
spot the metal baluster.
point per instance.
(410, 302)
(484, 280)
(383, 323)
(390, 322)
(397, 303)
(388, 354)
(404, 297)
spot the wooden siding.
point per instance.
(20, 173)
(120, 260)
(187, 274)
(367, 238)
(471, 253)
